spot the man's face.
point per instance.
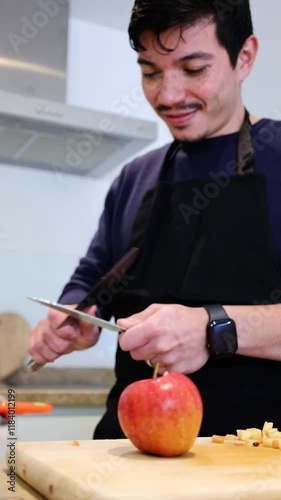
(193, 88)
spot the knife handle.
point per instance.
(114, 273)
(32, 366)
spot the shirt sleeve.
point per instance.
(111, 240)
(99, 256)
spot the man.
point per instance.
(204, 294)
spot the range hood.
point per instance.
(48, 135)
(37, 127)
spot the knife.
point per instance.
(79, 315)
(114, 274)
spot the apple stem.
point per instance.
(156, 368)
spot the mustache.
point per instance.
(193, 106)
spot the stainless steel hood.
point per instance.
(37, 127)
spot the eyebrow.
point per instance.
(189, 57)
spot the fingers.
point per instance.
(69, 330)
(171, 334)
(89, 334)
(45, 345)
(139, 317)
(145, 331)
(84, 326)
(48, 341)
(87, 338)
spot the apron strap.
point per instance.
(246, 153)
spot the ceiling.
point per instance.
(111, 13)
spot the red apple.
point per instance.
(161, 415)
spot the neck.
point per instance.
(254, 119)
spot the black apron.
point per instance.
(222, 254)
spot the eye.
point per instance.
(196, 71)
(150, 76)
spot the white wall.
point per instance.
(46, 222)
(262, 90)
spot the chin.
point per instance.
(184, 137)
(189, 133)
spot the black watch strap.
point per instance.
(216, 311)
(221, 333)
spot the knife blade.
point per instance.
(114, 274)
(81, 316)
(33, 366)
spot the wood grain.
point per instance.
(114, 469)
(14, 335)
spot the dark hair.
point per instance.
(232, 18)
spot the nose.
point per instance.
(172, 90)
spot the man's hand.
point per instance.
(48, 342)
(171, 334)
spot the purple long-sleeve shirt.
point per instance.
(203, 160)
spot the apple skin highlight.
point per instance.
(161, 416)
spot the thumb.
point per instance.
(137, 318)
(130, 321)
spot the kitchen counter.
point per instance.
(62, 386)
(62, 396)
(22, 490)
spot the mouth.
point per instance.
(180, 118)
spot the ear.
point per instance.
(247, 57)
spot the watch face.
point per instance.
(222, 337)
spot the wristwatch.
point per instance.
(221, 333)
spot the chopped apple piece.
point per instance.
(274, 433)
(243, 434)
(266, 427)
(267, 436)
(267, 442)
(255, 433)
(218, 439)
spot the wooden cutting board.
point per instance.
(114, 469)
(14, 336)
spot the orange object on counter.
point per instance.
(23, 407)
